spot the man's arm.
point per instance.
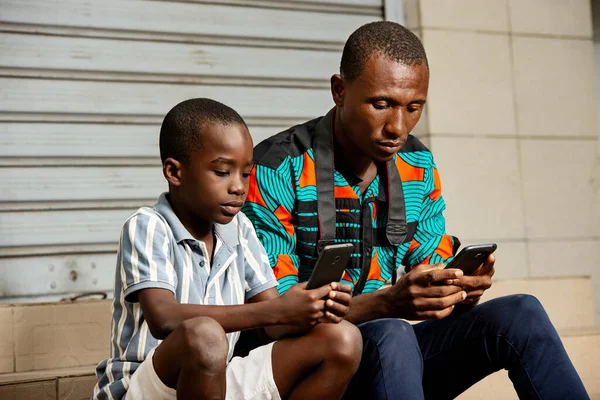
(427, 291)
(432, 245)
(269, 206)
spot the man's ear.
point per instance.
(338, 89)
(172, 171)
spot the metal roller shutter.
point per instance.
(85, 85)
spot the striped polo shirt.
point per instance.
(282, 205)
(157, 251)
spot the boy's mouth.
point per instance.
(233, 207)
(237, 204)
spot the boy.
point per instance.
(184, 271)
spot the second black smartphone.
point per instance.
(471, 257)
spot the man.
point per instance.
(357, 175)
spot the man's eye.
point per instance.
(412, 109)
(221, 173)
(380, 106)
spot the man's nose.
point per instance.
(396, 124)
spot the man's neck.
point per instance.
(360, 165)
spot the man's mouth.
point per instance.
(391, 147)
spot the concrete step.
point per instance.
(583, 347)
(569, 301)
(77, 383)
(39, 337)
(61, 343)
(55, 384)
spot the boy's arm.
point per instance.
(260, 279)
(339, 297)
(299, 308)
(146, 274)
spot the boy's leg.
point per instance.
(193, 359)
(318, 365)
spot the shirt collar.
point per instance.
(226, 233)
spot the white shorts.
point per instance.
(248, 378)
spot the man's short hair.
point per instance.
(181, 130)
(387, 38)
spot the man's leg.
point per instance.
(319, 364)
(512, 332)
(391, 366)
(193, 359)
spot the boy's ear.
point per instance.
(338, 86)
(172, 171)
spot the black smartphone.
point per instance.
(331, 265)
(471, 257)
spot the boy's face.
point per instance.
(214, 184)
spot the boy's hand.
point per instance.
(301, 307)
(337, 304)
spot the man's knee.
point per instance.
(343, 343)
(204, 343)
(520, 316)
(518, 309)
(388, 331)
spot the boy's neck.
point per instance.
(198, 228)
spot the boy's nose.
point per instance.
(238, 187)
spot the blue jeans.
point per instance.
(441, 359)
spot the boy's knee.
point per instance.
(344, 343)
(204, 343)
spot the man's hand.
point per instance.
(479, 282)
(426, 292)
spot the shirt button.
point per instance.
(202, 263)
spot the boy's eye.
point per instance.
(221, 173)
(246, 174)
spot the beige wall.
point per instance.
(511, 120)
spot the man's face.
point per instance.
(380, 107)
(214, 184)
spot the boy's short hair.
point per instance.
(390, 39)
(181, 130)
